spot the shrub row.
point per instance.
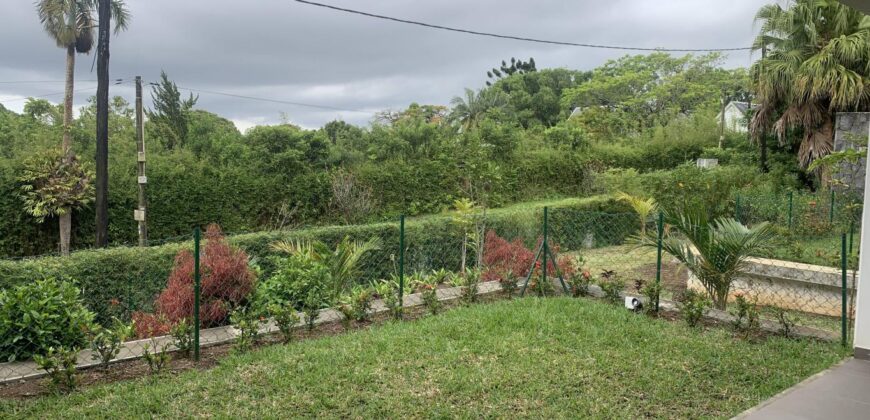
(118, 281)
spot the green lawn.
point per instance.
(553, 357)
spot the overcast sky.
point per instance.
(283, 50)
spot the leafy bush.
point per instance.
(182, 336)
(156, 355)
(694, 306)
(651, 290)
(469, 284)
(60, 363)
(428, 288)
(285, 318)
(226, 282)
(508, 282)
(612, 285)
(388, 291)
(786, 324)
(39, 316)
(248, 323)
(106, 342)
(745, 314)
(360, 300)
(295, 278)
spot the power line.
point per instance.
(48, 95)
(518, 38)
(277, 101)
(22, 82)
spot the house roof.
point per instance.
(743, 106)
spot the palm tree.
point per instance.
(71, 24)
(342, 262)
(642, 207)
(468, 111)
(816, 61)
(714, 252)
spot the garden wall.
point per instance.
(807, 288)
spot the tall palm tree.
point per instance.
(71, 24)
(817, 62)
(468, 111)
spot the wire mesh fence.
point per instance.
(219, 293)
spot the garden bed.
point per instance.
(554, 357)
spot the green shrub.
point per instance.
(60, 363)
(44, 314)
(106, 341)
(156, 355)
(182, 336)
(388, 291)
(248, 324)
(116, 282)
(295, 277)
(745, 314)
(285, 318)
(694, 306)
(612, 285)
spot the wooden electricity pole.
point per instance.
(102, 155)
(139, 214)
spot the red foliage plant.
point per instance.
(225, 282)
(501, 257)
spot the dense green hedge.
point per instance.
(120, 280)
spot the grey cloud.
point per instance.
(283, 50)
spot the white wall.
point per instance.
(862, 307)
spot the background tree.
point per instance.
(352, 200)
(817, 62)
(54, 186)
(171, 114)
(516, 67)
(71, 24)
(469, 110)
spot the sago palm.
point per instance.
(715, 252)
(816, 62)
(71, 24)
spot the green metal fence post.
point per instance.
(737, 208)
(545, 250)
(790, 205)
(832, 206)
(843, 263)
(661, 230)
(851, 235)
(196, 292)
(401, 259)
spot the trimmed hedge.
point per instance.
(118, 281)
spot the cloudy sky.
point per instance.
(287, 51)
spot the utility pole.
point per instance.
(722, 119)
(142, 180)
(102, 155)
(762, 140)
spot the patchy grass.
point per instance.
(552, 357)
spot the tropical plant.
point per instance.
(468, 111)
(54, 185)
(71, 23)
(693, 306)
(715, 252)
(516, 67)
(815, 60)
(342, 262)
(642, 207)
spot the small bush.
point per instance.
(361, 299)
(296, 276)
(388, 291)
(347, 314)
(578, 283)
(60, 363)
(470, 286)
(248, 323)
(428, 288)
(745, 314)
(694, 306)
(786, 324)
(182, 336)
(651, 291)
(612, 286)
(508, 283)
(156, 356)
(106, 342)
(39, 316)
(311, 306)
(285, 318)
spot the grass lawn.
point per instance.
(552, 357)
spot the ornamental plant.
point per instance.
(501, 256)
(45, 314)
(226, 282)
(60, 363)
(106, 341)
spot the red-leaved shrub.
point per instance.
(501, 257)
(225, 282)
